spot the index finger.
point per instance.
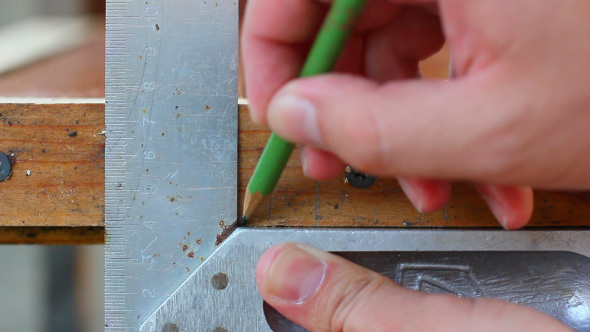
(276, 37)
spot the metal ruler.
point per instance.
(171, 178)
(171, 146)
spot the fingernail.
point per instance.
(296, 114)
(295, 274)
(304, 159)
(496, 208)
(415, 197)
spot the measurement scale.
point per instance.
(171, 146)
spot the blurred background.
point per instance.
(51, 49)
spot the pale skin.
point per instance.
(516, 115)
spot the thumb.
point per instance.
(324, 292)
(432, 129)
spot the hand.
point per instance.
(517, 113)
(324, 292)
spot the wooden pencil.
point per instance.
(321, 59)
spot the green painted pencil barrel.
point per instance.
(321, 59)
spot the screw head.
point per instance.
(359, 179)
(5, 167)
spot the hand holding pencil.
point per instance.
(514, 115)
(321, 59)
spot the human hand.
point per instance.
(517, 112)
(324, 292)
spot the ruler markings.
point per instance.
(162, 54)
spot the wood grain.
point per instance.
(61, 147)
(64, 193)
(298, 201)
(51, 235)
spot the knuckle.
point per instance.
(500, 148)
(346, 296)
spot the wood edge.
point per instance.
(52, 235)
(50, 101)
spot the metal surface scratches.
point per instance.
(221, 294)
(171, 146)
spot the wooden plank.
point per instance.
(52, 235)
(298, 201)
(65, 188)
(58, 165)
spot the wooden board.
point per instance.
(65, 188)
(62, 149)
(52, 235)
(298, 201)
(62, 200)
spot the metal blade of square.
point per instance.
(171, 146)
(545, 270)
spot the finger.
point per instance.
(427, 195)
(511, 205)
(320, 165)
(393, 51)
(275, 38)
(273, 49)
(390, 52)
(324, 292)
(431, 129)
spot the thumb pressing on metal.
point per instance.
(324, 292)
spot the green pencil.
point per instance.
(321, 59)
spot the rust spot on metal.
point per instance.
(218, 239)
(226, 232)
(191, 254)
(199, 241)
(184, 247)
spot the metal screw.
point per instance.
(358, 179)
(5, 167)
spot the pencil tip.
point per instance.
(243, 220)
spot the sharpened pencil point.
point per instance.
(251, 201)
(243, 220)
